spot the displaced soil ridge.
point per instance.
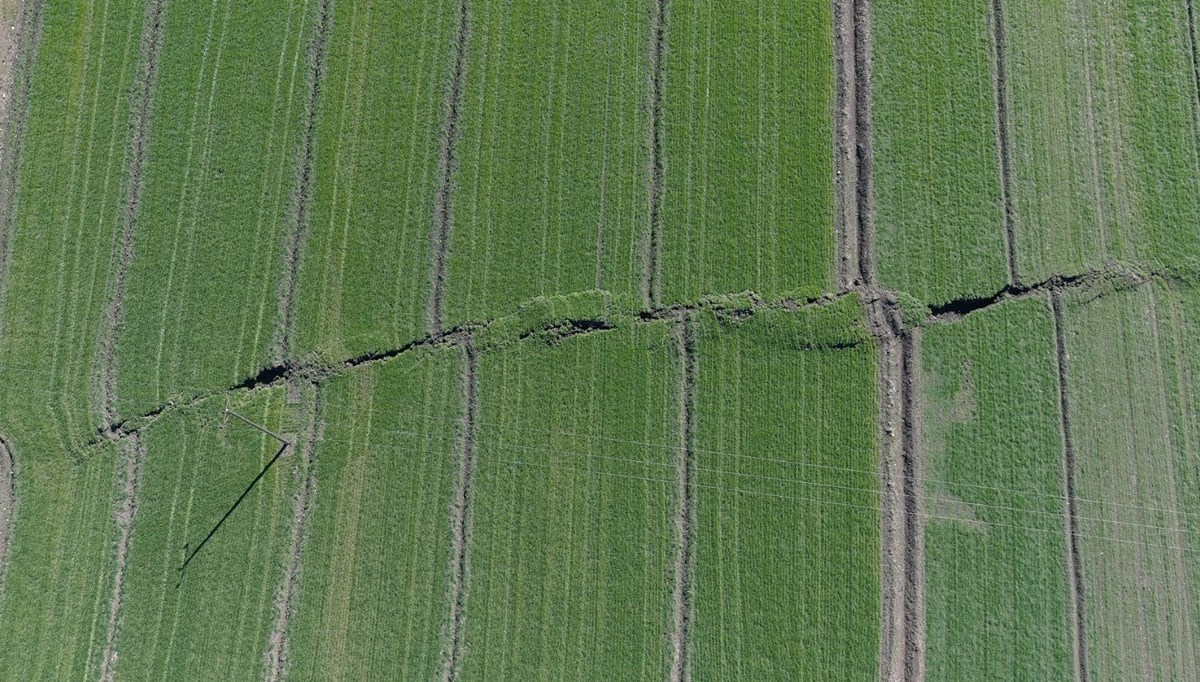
(685, 515)
(277, 656)
(961, 307)
(1003, 133)
(143, 101)
(129, 482)
(293, 246)
(461, 522)
(651, 284)
(439, 241)
(16, 68)
(1075, 576)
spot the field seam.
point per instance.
(294, 240)
(152, 35)
(652, 241)
(439, 237)
(10, 154)
(685, 516)
(130, 483)
(276, 657)
(461, 522)
(1075, 576)
(1003, 134)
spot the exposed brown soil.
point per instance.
(685, 513)
(845, 165)
(1003, 133)
(294, 239)
(1075, 574)
(1191, 14)
(133, 455)
(651, 245)
(8, 499)
(461, 524)
(151, 43)
(276, 657)
(19, 38)
(914, 508)
(439, 243)
(863, 134)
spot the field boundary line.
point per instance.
(461, 521)
(276, 657)
(682, 602)
(1003, 133)
(652, 240)
(11, 141)
(142, 104)
(439, 237)
(1075, 568)
(129, 480)
(845, 143)
(914, 507)
(864, 131)
(294, 239)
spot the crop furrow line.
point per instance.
(151, 44)
(1003, 132)
(134, 451)
(13, 135)
(294, 241)
(461, 522)
(651, 284)
(863, 150)
(275, 659)
(448, 164)
(685, 516)
(1075, 570)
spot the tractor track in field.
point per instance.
(685, 515)
(652, 242)
(17, 54)
(134, 455)
(293, 246)
(461, 523)
(276, 657)
(439, 246)
(151, 45)
(1075, 569)
(1003, 133)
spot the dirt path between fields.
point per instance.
(864, 153)
(133, 453)
(276, 657)
(461, 523)
(293, 245)
(439, 242)
(845, 166)
(685, 514)
(914, 506)
(1004, 133)
(151, 44)
(8, 500)
(1075, 567)
(1191, 19)
(651, 243)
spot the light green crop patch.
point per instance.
(549, 317)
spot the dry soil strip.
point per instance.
(439, 246)
(276, 657)
(294, 241)
(461, 522)
(651, 284)
(134, 454)
(845, 172)
(1075, 575)
(152, 35)
(914, 509)
(863, 133)
(15, 63)
(1003, 133)
(685, 515)
(8, 503)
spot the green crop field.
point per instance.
(639, 340)
(995, 547)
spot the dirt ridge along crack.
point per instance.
(1003, 133)
(845, 171)
(294, 238)
(439, 236)
(958, 308)
(30, 23)
(863, 136)
(652, 241)
(143, 100)
(461, 522)
(1075, 570)
(129, 481)
(276, 657)
(685, 514)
